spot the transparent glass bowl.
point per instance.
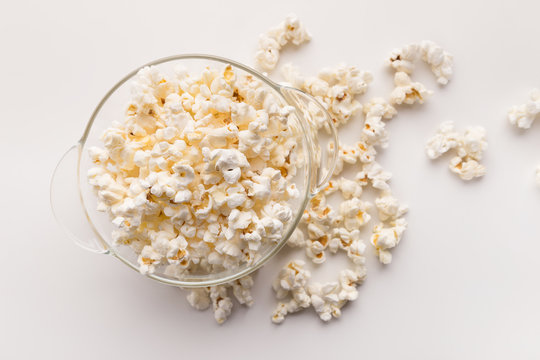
(74, 203)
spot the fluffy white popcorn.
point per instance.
(328, 299)
(385, 238)
(374, 130)
(221, 303)
(242, 290)
(199, 298)
(466, 169)
(335, 88)
(524, 115)
(355, 213)
(469, 147)
(297, 239)
(445, 139)
(407, 91)
(389, 207)
(440, 61)
(376, 175)
(291, 284)
(270, 43)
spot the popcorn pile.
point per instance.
(196, 176)
(524, 115)
(469, 147)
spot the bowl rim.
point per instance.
(198, 281)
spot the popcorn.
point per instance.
(291, 283)
(469, 147)
(374, 128)
(389, 208)
(355, 213)
(441, 62)
(387, 237)
(271, 42)
(328, 299)
(199, 298)
(524, 115)
(196, 175)
(242, 290)
(376, 175)
(445, 139)
(406, 91)
(335, 89)
(221, 303)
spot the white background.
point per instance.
(464, 281)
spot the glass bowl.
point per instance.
(74, 203)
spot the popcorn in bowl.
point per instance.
(197, 175)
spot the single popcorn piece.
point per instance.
(270, 43)
(385, 238)
(199, 298)
(291, 283)
(469, 147)
(221, 303)
(524, 115)
(374, 130)
(389, 207)
(407, 91)
(440, 61)
(445, 139)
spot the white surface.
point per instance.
(463, 283)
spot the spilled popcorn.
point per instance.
(223, 186)
(523, 116)
(270, 43)
(469, 147)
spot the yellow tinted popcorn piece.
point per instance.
(386, 237)
(407, 91)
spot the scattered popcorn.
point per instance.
(374, 130)
(406, 91)
(198, 174)
(335, 89)
(445, 139)
(291, 283)
(469, 147)
(389, 208)
(441, 62)
(221, 303)
(385, 238)
(524, 115)
(271, 42)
